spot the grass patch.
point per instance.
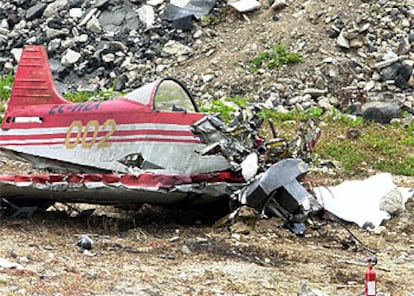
(387, 148)
(226, 107)
(6, 84)
(275, 57)
(215, 18)
(83, 96)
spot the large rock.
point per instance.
(382, 112)
(392, 202)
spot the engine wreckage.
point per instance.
(149, 146)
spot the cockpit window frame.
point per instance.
(146, 94)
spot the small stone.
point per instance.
(390, 72)
(176, 48)
(35, 11)
(93, 25)
(353, 133)
(155, 2)
(314, 92)
(17, 53)
(90, 88)
(320, 82)
(84, 242)
(405, 23)
(174, 238)
(54, 8)
(401, 82)
(67, 43)
(54, 33)
(185, 250)
(411, 37)
(342, 41)
(279, 5)
(146, 15)
(386, 63)
(119, 45)
(364, 28)
(207, 78)
(198, 34)
(379, 229)
(356, 43)
(88, 16)
(369, 85)
(75, 12)
(160, 68)
(108, 58)
(325, 103)
(70, 57)
(245, 5)
(405, 70)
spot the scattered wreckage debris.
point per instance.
(365, 202)
(149, 146)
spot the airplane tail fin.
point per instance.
(34, 84)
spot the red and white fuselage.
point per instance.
(150, 123)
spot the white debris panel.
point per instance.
(364, 201)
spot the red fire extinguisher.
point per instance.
(371, 278)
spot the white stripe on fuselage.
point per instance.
(58, 141)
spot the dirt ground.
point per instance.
(156, 252)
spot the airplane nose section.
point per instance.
(278, 192)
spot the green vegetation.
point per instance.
(83, 96)
(6, 84)
(275, 57)
(215, 18)
(225, 107)
(292, 115)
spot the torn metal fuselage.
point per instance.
(272, 189)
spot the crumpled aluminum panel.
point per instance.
(120, 188)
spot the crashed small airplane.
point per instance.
(151, 145)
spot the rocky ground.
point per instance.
(353, 51)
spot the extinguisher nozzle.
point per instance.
(373, 260)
